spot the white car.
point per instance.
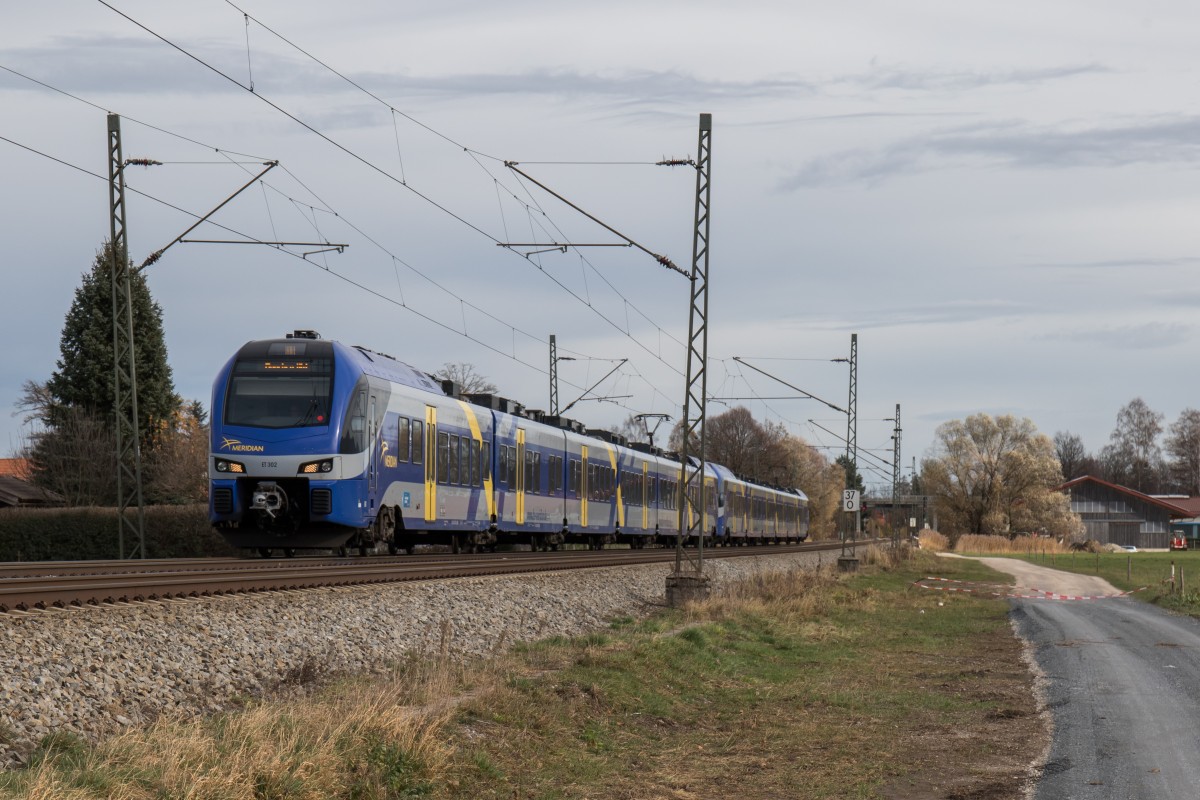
(1128, 548)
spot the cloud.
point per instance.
(1161, 140)
(944, 81)
(1151, 336)
(951, 312)
(1122, 263)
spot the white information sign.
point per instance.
(850, 500)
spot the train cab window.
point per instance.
(403, 441)
(285, 392)
(418, 441)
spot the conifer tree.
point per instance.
(84, 375)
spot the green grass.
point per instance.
(817, 694)
(1132, 571)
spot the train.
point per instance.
(319, 445)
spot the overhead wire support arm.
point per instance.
(561, 247)
(661, 259)
(842, 439)
(594, 385)
(740, 360)
(157, 254)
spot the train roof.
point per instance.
(392, 369)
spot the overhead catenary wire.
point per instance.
(350, 152)
(475, 155)
(248, 239)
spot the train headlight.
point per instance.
(313, 467)
(229, 466)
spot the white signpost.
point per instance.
(850, 500)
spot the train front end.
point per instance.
(278, 475)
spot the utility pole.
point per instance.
(896, 478)
(129, 450)
(852, 409)
(553, 375)
(694, 584)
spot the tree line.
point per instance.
(1141, 453)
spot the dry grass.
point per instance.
(1021, 545)
(932, 540)
(763, 680)
(366, 739)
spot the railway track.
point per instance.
(64, 584)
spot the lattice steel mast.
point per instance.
(125, 404)
(691, 489)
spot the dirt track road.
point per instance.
(1122, 685)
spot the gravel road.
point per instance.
(1122, 684)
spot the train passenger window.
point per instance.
(510, 466)
(443, 459)
(573, 478)
(485, 460)
(502, 465)
(455, 443)
(418, 441)
(402, 440)
(474, 459)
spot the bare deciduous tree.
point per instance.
(468, 379)
(1133, 455)
(1071, 454)
(993, 476)
(1183, 444)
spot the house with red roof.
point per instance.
(17, 491)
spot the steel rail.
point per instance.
(184, 578)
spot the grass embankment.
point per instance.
(790, 685)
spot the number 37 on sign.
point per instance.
(850, 500)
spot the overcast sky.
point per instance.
(1000, 199)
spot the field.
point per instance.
(791, 685)
(1169, 579)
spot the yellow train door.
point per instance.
(520, 487)
(430, 463)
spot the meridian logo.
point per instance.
(236, 446)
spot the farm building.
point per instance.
(1114, 514)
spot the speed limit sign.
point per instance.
(850, 500)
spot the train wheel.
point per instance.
(265, 552)
(289, 552)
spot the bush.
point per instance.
(80, 534)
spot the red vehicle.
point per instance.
(1178, 542)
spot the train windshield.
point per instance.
(280, 392)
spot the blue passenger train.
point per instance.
(320, 445)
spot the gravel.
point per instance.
(94, 671)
